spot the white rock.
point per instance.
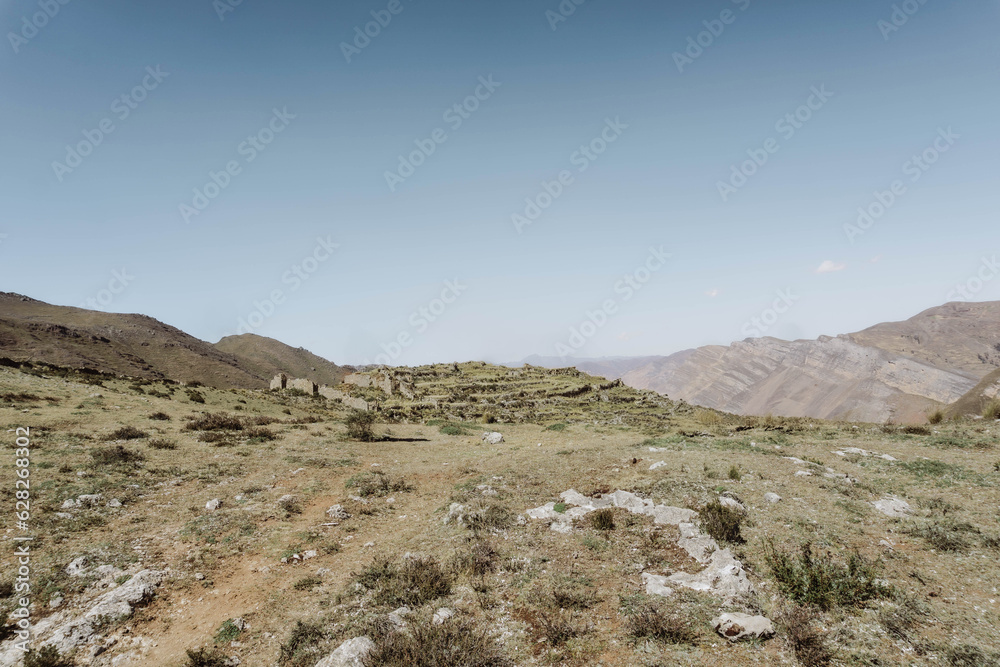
(732, 503)
(803, 473)
(658, 464)
(396, 617)
(337, 512)
(312, 553)
(888, 457)
(892, 506)
(78, 567)
(213, 504)
(656, 585)
(114, 502)
(772, 497)
(442, 615)
(673, 516)
(734, 626)
(492, 438)
(349, 654)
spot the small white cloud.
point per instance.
(714, 292)
(830, 266)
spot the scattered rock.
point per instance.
(338, 513)
(803, 473)
(732, 503)
(892, 506)
(114, 502)
(492, 438)
(772, 497)
(199, 576)
(78, 567)
(734, 626)
(351, 653)
(213, 504)
(658, 464)
(656, 585)
(442, 615)
(396, 617)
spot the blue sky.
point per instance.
(436, 262)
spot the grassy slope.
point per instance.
(604, 444)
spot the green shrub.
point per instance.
(46, 656)
(734, 473)
(556, 427)
(307, 583)
(809, 644)
(603, 519)
(227, 632)
(457, 643)
(377, 483)
(116, 455)
(415, 582)
(160, 416)
(194, 396)
(651, 622)
(126, 433)
(722, 522)
(992, 409)
(303, 648)
(214, 421)
(819, 580)
(160, 443)
(936, 417)
(360, 426)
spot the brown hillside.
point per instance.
(134, 345)
(267, 357)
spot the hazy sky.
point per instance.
(191, 160)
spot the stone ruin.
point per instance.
(282, 381)
(392, 384)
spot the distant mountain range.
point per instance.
(945, 357)
(897, 370)
(141, 346)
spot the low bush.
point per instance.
(457, 643)
(160, 443)
(127, 433)
(46, 656)
(160, 416)
(414, 582)
(214, 421)
(809, 644)
(115, 456)
(651, 622)
(377, 483)
(360, 426)
(722, 522)
(819, 580)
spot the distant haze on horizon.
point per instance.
(489, 181)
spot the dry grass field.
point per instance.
(271, 578)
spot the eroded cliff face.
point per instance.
(831, 378)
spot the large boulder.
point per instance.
(351, 653)
(734, 626)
